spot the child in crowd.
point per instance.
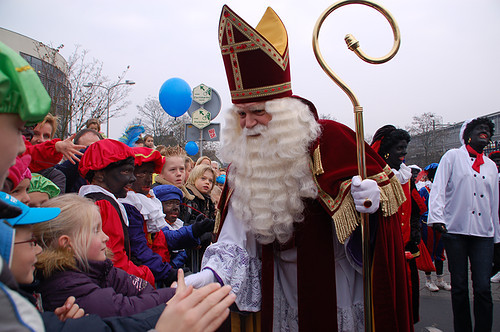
(200, 184)
(41, 190)
(108, 165)
(19, 250)
(74, 262)
(171, 198)
(148, 243)
(149, 141)
(203, 160)
(174, 173)
(18, 180)
(93, 124)
(149, 234)
(139, 142)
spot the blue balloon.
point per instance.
(191, 148)
(175, 96)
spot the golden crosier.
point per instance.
(353, 45)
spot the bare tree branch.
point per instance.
(424, 130)
(82, 103)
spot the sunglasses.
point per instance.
(33, 242)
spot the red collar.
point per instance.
(479, 158)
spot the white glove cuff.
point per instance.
(200, 279)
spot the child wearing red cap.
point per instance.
(18, 180)
(147, 243)
(108, 165)
(150, 238)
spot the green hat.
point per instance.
(21, 91)
(41, 184)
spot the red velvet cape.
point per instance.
(314, 242)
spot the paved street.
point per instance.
(435, 307)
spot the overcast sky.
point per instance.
(448, 63)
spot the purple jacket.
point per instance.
(104, 290)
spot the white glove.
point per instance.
(200, 279)
(403, 174)
(364, 192)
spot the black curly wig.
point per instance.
(476, 122)
(390, 136)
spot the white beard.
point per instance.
(270, 173)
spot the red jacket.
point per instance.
(112, 226)
(43, 155)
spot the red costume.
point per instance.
(98, 156)
(113, 227)
(43, 155)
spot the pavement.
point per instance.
(436, 314)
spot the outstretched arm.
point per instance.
(69, 150)
(202, 310)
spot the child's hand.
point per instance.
(69, 310)
(203, 310)
(202, 225)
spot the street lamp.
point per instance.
(108, 89)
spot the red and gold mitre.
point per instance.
(256, 60)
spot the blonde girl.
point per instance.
(200, 183)
(74, 262)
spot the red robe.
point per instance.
(334, 164)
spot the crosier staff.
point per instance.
(353, 45)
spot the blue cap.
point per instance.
(6, 242)
(431, 166)
(221, 179)
(28, 215)
(167, 192)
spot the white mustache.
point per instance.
(257, 130)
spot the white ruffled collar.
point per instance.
(150, 208)
(92, 188)
(403, 174)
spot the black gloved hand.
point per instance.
(415, 236)
(202, 225)
(440, 227)
(171, 277)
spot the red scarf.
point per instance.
(479, 158)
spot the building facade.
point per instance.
(430, 147)
(51, 67)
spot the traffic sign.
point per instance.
(209, 133)
(200, 118)
(213, 106)
(202, 94)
